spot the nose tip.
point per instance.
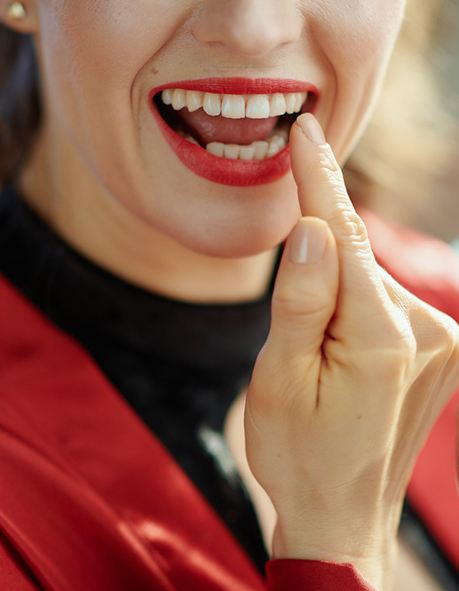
(251, 28)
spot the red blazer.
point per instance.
(91, 500)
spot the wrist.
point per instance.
(370, 547)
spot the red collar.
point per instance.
(113, 494)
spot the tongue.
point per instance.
(206, 128)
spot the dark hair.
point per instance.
(20, 109)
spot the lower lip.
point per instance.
(225, 171)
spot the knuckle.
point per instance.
(399, 336)
(402, 353)
(449, 331)
(442, 329)
(347, 222)
(402, 333)
(328, 162)
(398, 343)
(394, 368)
(350, 226)
(408, 349)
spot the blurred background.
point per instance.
(407, 165)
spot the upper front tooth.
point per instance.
(212, 104)
(233, 106)
(258, 106)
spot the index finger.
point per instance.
(322, 193)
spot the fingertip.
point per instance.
(311, 128)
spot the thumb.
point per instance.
(305, 290)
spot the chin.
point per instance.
(238, 237)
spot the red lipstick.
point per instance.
(225, 170)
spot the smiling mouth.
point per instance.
(235, 126)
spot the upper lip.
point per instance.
(241, 86)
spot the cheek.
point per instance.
(93, 53)
(355, 38)
(107, 38)
(356, 35)
(93, 50)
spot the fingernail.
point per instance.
(307, 243)
(311, 128)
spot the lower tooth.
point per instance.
(247, 152)
(283, 133)
(273, 149)
(255, 151)
(191, 139)
(231, 151)
(261, 149)
(216, 148)
(188, 137)
(275, 145)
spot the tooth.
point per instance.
(277, 105)
(166, 96)
(191, 139)
(194, 100)
(261, 149)
(233, 106)
(216, 148)
(255, 151)
(257, 106)
(247, 152)
(276, 144)
(212, 104)
(283, 133)
(278, 140)
(273, 150)
(231, 151)
(290, 101)
(299, 101)
(178, 99)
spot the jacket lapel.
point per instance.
(101, 500)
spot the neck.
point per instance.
(66, 195)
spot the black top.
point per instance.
(178, 364)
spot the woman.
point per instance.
(140, 253)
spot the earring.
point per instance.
(16, 11)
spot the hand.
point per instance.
(353, 374)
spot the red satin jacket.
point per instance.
(94, 502)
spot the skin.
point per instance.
(119, 194)
(324, 387)
(104, 178)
